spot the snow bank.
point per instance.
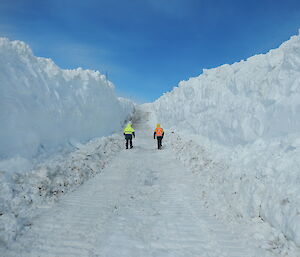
(46, 111)
(245, 186)
(21, 194)
(247, 116)
(238, 103)
(43, 107)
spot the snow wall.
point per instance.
(239, 103)
(247, 115)
(43, 107)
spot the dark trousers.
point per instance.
(128, 139)
(159, 139)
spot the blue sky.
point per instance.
(147, 46)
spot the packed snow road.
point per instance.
(144, 203)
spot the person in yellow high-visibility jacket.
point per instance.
(128, 133)
(159, 134)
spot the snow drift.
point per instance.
(43, 107)
(247, 116)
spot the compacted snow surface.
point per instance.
(144, 203)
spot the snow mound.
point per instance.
(43, 107)
(247, 116)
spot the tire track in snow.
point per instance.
(143, 204)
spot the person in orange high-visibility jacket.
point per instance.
(159, 134)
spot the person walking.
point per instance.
(128, 133)
(159, 134)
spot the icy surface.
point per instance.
(43, 108)
(245, 116)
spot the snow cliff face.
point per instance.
(42, 107)
(246, 116)
(238, 103)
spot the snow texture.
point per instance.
(44, 108)
(45, 114)
(246, 116)
(23, 194)
(144, 203)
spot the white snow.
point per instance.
(43, 108)
(22, 194)
(144, 203)
(45, 114)
(246, 118)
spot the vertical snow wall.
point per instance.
(43, 107)
(239, 103)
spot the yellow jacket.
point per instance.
(128, 130)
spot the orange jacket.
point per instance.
(158, 131)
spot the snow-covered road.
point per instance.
(144, 203)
